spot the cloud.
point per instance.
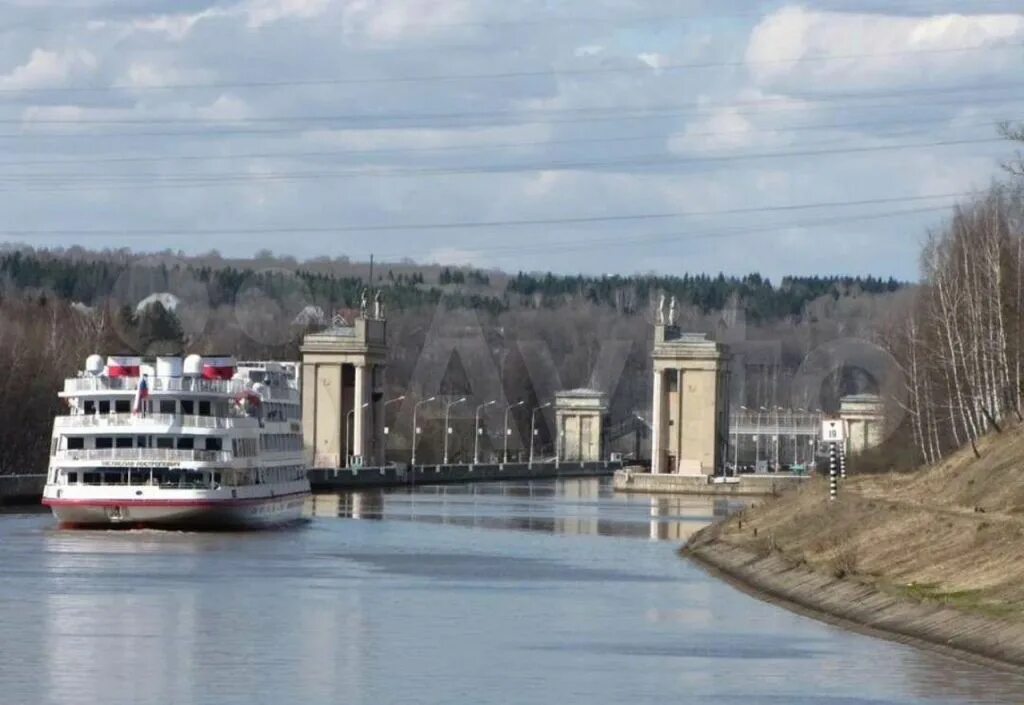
(264, 12)
(49, 69)
(784, 48)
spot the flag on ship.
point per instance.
(141, 394)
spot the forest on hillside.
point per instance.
(458, 331)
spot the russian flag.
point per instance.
(123, 366)
(141, 394)
(218, 368)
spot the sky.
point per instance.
(611, 136)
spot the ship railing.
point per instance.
(127, 455)
(175, 384)
(156, 384)
(183, 420)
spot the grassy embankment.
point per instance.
(949, 538)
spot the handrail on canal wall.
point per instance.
(325, 480)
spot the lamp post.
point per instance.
(349, 422)
(533, 428)
(415, 428)
(476, 430)
(757, 440)
(508, 431)
(387, 430)
(736, 447)
(778, 435)
(447, 428)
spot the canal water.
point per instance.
(544, 592)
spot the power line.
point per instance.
(44, 182)
(660, 135)
(475, 224)
(900, 94)
(658, 238)
(1000, 101)
(550, 72)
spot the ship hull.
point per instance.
(194, 515)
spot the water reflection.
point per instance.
(583, 507)
(416, 611)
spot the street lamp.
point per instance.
(388, 403)
(387, 430)
(476, 430)
(349, 423)
(447, 428)
(736, 446)
(533, 428)
(778, 435)
(508, 431)
(416, 429)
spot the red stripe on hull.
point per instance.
(198, 503)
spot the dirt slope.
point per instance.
(951, 535)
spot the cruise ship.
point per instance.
(199, 442)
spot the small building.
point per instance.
(579, 418)
(342, 376)
(690, 415)
(864, 415)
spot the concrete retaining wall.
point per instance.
(747, 486)
(335, 480)
(861, 607)
(21, 489)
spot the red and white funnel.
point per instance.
(218, 367)
(123, 365)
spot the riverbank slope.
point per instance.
(936, 556)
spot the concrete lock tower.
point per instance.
(579, 417)
(343, 389)
(690, 414)
(864, 415)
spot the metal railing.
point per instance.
(175, 384)
(772, 423)
(183, 420)
(146, 454)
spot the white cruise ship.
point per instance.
(193, 443)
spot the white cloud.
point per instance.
(388, 20)
(264, 12)
(880, 49)
(49, 69)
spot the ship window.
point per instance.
(167, 406)
(114, 478)
(91, 478)
(138, 476)
(164, 442)
(142, 442)
(122, 406)
(72, 477)
(104, 442)
(186, 443)
(204, 408)
(105, 406)
(123, 442)
(90, 406)
(214, 443)
(76, 443)
(188, 407)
